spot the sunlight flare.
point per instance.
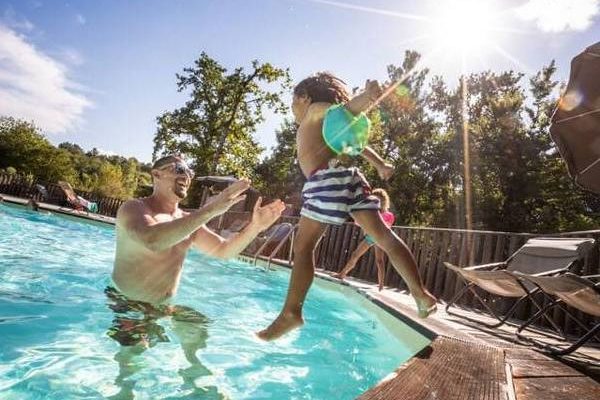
(464, 26)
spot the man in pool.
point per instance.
(334, 193)
(153, 237)
(154, 234)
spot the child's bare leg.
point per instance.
(380, 263)
(303, 271)
(400, 256)
(362, 248)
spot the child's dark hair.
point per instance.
(383, 197)
(323, 87)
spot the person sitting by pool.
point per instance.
(33, 205)
(40, 193)
(76, 201)
(368, 242)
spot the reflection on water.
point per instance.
(136, 328)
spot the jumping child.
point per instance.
(331, 124)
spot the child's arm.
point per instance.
(384, 170)
(361, 102)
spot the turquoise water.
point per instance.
(54, 320)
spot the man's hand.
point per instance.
(386, 171)
(265, 216)
(231, 195)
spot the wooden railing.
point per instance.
(16, 185)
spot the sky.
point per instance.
(98, 73)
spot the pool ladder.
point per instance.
(291, 231)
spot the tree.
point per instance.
(109, 181)
(519, 182)
(214, 128)
(279, 175)
(405, 133)
(24, 148)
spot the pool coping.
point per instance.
(448, 344)
(65, 211)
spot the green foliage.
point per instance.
(24, 148)
(279, 174)
(215, 126)
(111, 176)
(518, 181)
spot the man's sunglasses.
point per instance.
(180, 169)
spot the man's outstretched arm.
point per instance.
(159, 236)
(262, 217)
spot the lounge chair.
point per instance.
(77, 202)
(569, 289)
(537, 257)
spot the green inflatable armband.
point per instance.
(344, 132)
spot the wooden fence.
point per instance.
(16, 185)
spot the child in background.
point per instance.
(368, 242)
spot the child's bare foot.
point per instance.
(283, 324)
(380, 287)
(426, 305)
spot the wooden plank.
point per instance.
(499, 253)
(449, 369)
(440, 269)
(338, 248)
(462, 262)
(541, 368)
(432, 258)
(552, 388)
(453, 257)
(486, 256)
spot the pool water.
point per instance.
(54, 321)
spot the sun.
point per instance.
(465, 27)
(457, 37)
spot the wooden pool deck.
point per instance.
(464, 360)
(468, 361)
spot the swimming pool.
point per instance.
(54, 321)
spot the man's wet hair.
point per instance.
(170, 158)
(323, 87)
